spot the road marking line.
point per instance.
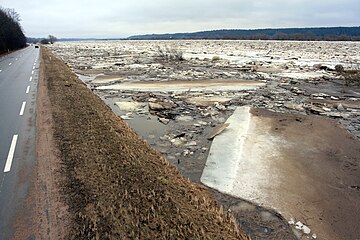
(27, 89)
(30, 79)
(22, 109)
(0, 70)
(10, 64)
(11, 154)
(33, 67)
(32, 72)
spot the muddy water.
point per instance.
(146, 126)
(149, 128)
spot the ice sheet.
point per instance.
(220, 171)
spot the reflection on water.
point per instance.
(146, 126)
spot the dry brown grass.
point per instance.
(117, 186)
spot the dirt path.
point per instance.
(116, 186)
(53, 211)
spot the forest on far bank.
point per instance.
(298, 34)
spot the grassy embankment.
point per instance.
(117, 187)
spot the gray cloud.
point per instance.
(107, 18)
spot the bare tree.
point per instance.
(52, 39)
(13, 14)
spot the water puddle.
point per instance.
(145, 125)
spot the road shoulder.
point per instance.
(48, 213)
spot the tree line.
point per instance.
(49, 40)
(11, 33)
(300, 34)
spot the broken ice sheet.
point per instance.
(300, 226)
(217, 130)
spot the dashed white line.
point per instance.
(22, 109)
(10, 64)
(0, 70)
(30, 79)
(33, 67)
(32, 72)
(11, 154)
(27, 89)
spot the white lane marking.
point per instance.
(32, 72)
(22, 108)
(33, 67)
(30, 79)
(10, 64)
(27, 89)
(0, 70)
(11, 154)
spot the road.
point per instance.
(18, 89)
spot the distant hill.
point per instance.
(321, 33)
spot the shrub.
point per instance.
(339, 68)
(216, 58)
(351, 75)
(44, 41)
(170, 54)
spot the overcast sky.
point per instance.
(122, 18)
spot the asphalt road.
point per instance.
(18, 89)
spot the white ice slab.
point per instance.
(220, 171)
(181, 88)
